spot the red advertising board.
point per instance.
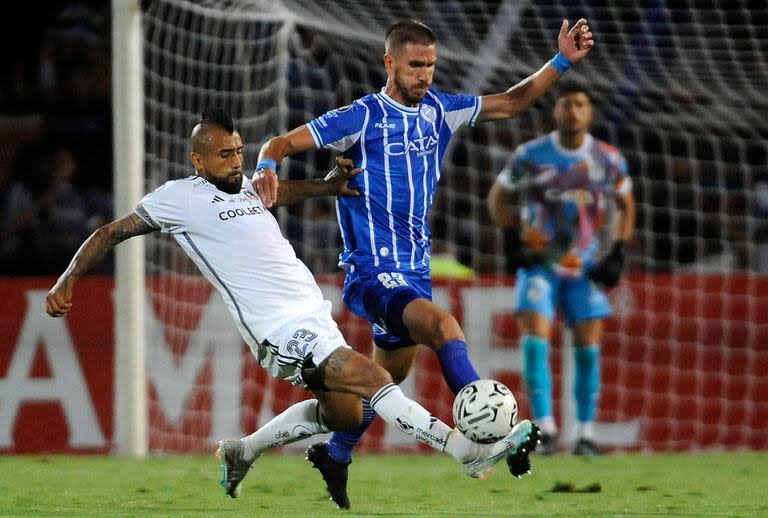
(684, 365)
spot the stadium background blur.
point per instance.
(681, 89)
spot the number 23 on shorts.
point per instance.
(392, 280)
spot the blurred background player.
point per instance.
(558, 190)
(219, 221)
(398, 137)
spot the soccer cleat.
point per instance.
(334, 473)
(519, 464)
(233, 468)
(586, 448)
(517, 445)
(548, 444)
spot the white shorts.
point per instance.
(284, 350)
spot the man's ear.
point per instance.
(197, 160)
(389, 63)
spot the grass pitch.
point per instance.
(722, 484)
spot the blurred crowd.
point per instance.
(56, 158)
(55, 122)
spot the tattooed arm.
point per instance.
(335, 183)
(91, 252)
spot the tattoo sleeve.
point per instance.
(336, 361)
(291, 191)
(104, 239)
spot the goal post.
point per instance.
(130, 381)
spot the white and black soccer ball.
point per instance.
(485, 411)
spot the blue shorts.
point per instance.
(380, 296)
(541, 290)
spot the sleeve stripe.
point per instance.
(478, 109)
(146, 216)
(315, 135)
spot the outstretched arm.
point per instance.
(270, 156)
(335, 183)
(91, 252)
(573, 45)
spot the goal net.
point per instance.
(680, 87)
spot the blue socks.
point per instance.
(538, 377)
(340, 444)
(537, 374)
(454, 362)
(586, 382)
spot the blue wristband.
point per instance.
(560, 63)
(266, 163)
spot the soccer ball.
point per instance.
(485, 411)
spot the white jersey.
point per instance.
(238, 246)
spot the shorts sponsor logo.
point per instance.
(537, 289)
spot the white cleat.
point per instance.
(233, 468)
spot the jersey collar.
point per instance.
(403, 108)
(555, 137)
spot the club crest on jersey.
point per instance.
(428, 113)
(421, 146)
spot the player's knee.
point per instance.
(375, 377)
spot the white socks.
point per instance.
(464, 450)
(413, 419)
(297, 422)
(585, 430)
(547, 425)
(303, 419)
(410, 417)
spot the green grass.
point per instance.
(391, 485)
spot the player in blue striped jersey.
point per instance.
(398, 137)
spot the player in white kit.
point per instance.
(220, 222)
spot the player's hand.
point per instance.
(535, 239)
(59, 299)
(608, 270)
(265, 182)
(576, 43)
(530, 251)
(337, 179)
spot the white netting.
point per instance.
(681, 89)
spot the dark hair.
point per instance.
(573, 87)
(218, 117)
(408, 31)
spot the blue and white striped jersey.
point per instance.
(399, 149)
